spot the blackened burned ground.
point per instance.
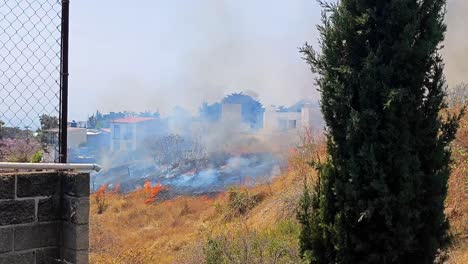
(220, 171)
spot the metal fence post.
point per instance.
(64, 82)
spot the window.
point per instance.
(128, 132)
(292, 124)
(116, 132)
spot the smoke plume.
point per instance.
(456, 42)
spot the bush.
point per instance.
(37, 157)
(241, 201)
(241, 245)
(18, 150)
(214, 252)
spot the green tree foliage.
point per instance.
(13, 132)
(277, 244)
(37, 157)
(2, 124)
(48, 122)
(314, 210)
(380, 198)
(92, 122)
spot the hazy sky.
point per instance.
(137, 55)
(155, 54)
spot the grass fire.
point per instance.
(250, 222)
(234, 132)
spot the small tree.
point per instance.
(48, 122)
(92, 122)
(2, 124)
(457, 95)
(380, 198)
(173, 151)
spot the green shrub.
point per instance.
(37, 157)
(241, 201)
(213, 252)
(275, 245)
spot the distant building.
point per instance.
(231, 113)
(80, 124)
(127, 132)
(231, 119)
(98, 139)
(76, 136)
(275, 120)
(283, 127)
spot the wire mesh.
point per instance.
(30, 80)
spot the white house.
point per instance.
(126, 133)
(76, 136)
(231, 114)
(275, 120)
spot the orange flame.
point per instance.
(117, 188)
(292, 151)
(147, 187)
(152, 192)
(101, 191)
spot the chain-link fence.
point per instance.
(31, 80)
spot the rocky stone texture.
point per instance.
(44, 218)
(17, 212)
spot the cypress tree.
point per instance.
(380, 198)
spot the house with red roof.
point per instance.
(128, 132)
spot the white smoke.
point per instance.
(456, 42)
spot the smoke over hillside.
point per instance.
(155, 55)
(456, 42)
(225, 145)
(158, 54)
(199, 52)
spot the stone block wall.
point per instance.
(44, 217)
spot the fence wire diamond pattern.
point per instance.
(30, 59)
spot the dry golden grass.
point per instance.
(130, 231)
(154, 232)
(457, 198)
(174, 231)
(458, 254)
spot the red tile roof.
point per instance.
(132, 119)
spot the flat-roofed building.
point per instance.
(128, 132)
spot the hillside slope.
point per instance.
(247, 224)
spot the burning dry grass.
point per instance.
(132, 231)
(254, 224)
